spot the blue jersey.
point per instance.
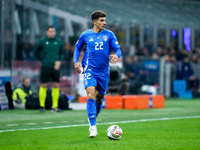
(96, 56)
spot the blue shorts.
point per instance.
(100, 82)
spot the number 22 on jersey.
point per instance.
(98, 45)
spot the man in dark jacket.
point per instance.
(185, 72)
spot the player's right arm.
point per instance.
(37, 49)
(78, 47)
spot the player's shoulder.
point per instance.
(89, 31)
(109, 32)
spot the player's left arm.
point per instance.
(115, 45)
(114, 58)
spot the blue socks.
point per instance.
(98, 107)
(91, 111)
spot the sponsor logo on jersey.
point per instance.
(105, 38)
(91, 40)
(55, 43)
(116, 43)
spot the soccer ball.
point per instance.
(114, 132)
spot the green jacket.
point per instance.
(49, 50)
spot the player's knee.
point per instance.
(91, 95)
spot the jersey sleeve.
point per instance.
(115, 45)
(78, 47)
(37, 49)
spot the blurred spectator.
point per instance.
(198, 51)
(165, 51)
(167, 58)
(172, 51)
(155, 56)
(194, 58)
(159, 51)
(27, 51)
(135, 66)
(185, 72)
(22, 92)
(128, 67)
(68, 52)
(145, 52)
(149, 46)
(173, 59)
(126, 51)
(198, 60)
(132, 72)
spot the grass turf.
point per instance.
(160, 134)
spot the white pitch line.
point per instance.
(9, 125)
(79, 125)
(64, 121)
(31, 123)
(47, 122)
(80, 121)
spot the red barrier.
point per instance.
(143, 101)
(114, 102)
(82, 99)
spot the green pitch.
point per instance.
(177, 126)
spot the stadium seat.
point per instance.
(180, 87)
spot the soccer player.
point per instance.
(96, 64)
(50, 50)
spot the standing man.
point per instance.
(50, 50)
(96, 64)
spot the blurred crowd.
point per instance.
(185, 66)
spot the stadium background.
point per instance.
(156, 31)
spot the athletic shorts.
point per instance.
(49, 74)
(100, 82)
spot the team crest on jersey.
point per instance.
(86, 83)
(105, 38)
